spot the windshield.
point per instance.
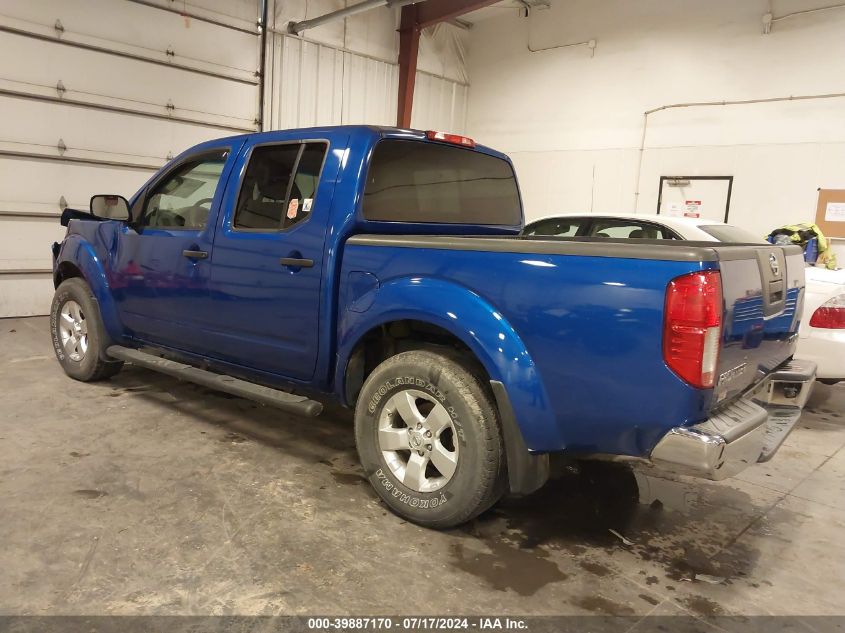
(728, 233)
(412, 181)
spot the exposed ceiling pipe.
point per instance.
(769, 19)
(295, 28)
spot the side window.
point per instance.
(269, 198)
(557, 227)
(665, 233)
(182, 200)
(304, 188)
(261, 203)
(627, 229)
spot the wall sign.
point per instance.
(693, 209)
(834, 212)
(830, 212)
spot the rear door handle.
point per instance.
(296, 262)
(195, 254)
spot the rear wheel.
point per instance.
(429, 439)
(79, 338)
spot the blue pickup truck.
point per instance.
(384, 268)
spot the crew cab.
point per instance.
(384, 268)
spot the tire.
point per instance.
(79, 338)
(419, 392)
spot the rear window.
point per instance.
(411, 181)
(728, 233)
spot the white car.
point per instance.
(822, 331)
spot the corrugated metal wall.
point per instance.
(314, 83)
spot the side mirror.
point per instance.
(109, 207)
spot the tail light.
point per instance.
(831, 314)
(455, 139)
(692, 327)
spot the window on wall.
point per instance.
(279, 186)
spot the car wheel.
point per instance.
(429, 439)
(79, 338)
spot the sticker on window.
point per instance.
(293, 207)
(306, 205)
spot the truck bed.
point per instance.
(589, 311)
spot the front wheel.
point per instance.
(429, 439)
(79, 338)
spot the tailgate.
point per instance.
(763, 288)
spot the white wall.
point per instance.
(573, 123)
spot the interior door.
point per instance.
(706, 197)
(267, 264)
(162, 260)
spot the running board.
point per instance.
(221, 382)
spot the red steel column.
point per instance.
(409, 44)
(416, 17)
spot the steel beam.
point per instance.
(414, 19)
(409, 44)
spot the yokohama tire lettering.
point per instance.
(410, 500)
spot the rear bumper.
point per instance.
(748, 431)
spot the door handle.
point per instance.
(195, 254)
(296, 262)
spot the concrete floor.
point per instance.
(142, 495)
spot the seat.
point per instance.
(196, 216)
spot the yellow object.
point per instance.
(798, 234)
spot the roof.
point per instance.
(355, 130)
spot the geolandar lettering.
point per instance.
(420, 384)
(410, 381)
(54, 317)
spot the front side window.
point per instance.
(182, 199)
(413, 181)
(270, 199)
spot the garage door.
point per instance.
(95, 96)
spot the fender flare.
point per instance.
(77, 251)
(474, 321)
